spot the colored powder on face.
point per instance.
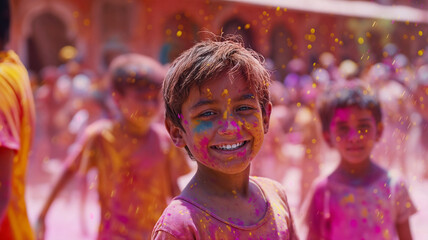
(203, 126)
(209, 94)
(203, 143)
(224, 93)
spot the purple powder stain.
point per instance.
(204, 143)
(243, 153)
(353, 223)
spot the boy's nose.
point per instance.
(228, 127)
(354, 135)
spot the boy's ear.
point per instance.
(266, 116)
(175, 133)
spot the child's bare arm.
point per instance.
(403, 231)
(64, 179)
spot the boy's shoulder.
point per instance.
(178, 219)
(161, 135)
(99, 126)
(271, 188)
(266, 182)
(97, 129)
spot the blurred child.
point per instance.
(16, 132)
(217, 108)
(359, 199)
(137, 165)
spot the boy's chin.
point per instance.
(141, 122)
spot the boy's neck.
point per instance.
(357, 174)
(135, 130)
(220, 184)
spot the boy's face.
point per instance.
(138, 105)
(353, 132)
(224, 125)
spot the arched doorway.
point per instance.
(48, 36)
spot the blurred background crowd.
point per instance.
(308, 45)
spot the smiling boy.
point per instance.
(217, 108)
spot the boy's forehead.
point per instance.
(351, 113)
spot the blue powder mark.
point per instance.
(203, 126)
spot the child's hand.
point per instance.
(40, 228)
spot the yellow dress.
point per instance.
(16, 132)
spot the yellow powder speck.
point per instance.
(224, 93)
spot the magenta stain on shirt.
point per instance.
(353, 223)
(185, 122)
(378, 229)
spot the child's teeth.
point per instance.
(229, 147)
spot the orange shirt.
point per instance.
(136, 176)
(16, 132)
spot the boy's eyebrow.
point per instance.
(209, 101)
(201, 103)
(246, 96)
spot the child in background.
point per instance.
(217, 108)
(359, 199)
(137, 165)
(17, 120)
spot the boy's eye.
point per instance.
(342, 130)
(244, 108)
(206, 114)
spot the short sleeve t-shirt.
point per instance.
(134, 177)
(16, 133)
(186, 219)
(370, 212)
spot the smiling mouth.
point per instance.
(230, 147)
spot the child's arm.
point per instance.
(65, 178)
(403, 231)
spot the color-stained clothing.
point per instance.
(135, 176)
(16, 132)
(339, 211)
(186, 219)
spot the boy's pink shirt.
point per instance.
(16, 132)
(370, 212)
(135, 179)
(186, 219)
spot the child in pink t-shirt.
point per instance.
(217, 108)
(359, 199)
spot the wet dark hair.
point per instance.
(208, 60)
(350, 94)
(4, 21)
(135, 71)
